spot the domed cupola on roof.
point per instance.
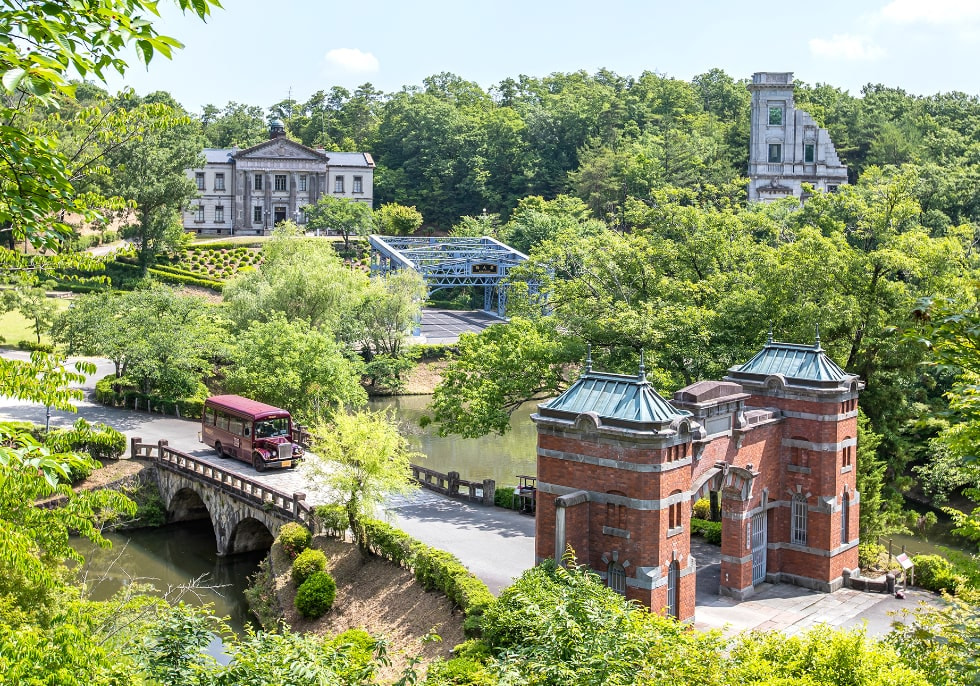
(614, 401)
(276, 129)
(789, 365)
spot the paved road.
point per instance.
(445, 326)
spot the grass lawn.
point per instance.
(14, 328)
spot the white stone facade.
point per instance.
(248, 192)
(786, 146)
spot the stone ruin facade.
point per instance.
(773, 445)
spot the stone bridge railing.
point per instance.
(451, 485)
(288, 507)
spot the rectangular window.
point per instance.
(845, 518)
(798, 521)
(302, 182)
(338, 184)
(235, 426)
(358, 185)
(209, 416)
(258, 182)
(775, 152)
(775, 116)
(199, 179)
(808, 153)
(199, 213)
(222, 421)
(280, 182)
(219, 182)
(257, 214)
(219, 213)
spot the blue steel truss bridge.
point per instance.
(450, 262)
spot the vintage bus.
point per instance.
(249, 431)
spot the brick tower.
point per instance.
(619, 468)
(614, 465)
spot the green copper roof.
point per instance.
(807, 362)
(615, 397)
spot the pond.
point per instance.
(172, 557)
(500, 458)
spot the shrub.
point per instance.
(936, 573)
(388, 542)
(316, 595)
(702, 509)
(356, 649)
(294, 538)
(31, 345)
(333, 518)
(869, 555)
(710, 531)
(504, 497)
(306, 563)
(100, 441)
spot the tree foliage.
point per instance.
(362, 459)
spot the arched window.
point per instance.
(673, 589)
(616, 578)
(845, 517)
(798, 523)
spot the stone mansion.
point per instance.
(248, 192)
(786, 146)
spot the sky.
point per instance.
(260, 53)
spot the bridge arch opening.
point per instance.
(187, 505)
(248, 535)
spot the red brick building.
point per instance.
(774, 443)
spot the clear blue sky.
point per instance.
(255, 52)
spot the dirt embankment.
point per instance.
(379, 597)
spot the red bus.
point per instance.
(249, 431)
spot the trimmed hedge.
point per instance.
(199, 245)
(315, 596)
(435, 570)
(294, 538)
(306, 563)
(185, 280)
(120, 392)
(710, 531)
(504, 497)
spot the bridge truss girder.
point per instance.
(449, 262)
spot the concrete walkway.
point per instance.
(792, 609)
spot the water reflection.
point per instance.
(170, 557)
(500, 458)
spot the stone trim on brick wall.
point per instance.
(604, 498)
(614, 464)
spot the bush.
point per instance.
(702, 509)
(869, 555)
(357, 647)
(32, 346)
(306, 563)
(710, 531)
(504, 497)
(388, 542)
(100, 441)
(316, 595)
(294, 538)
(332, 518)
(936, 573)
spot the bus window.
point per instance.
(222, 422)
(267, 428)
(209, 416)
(235, 426)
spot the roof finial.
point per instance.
(588, 358)
(816, 343)
(769, 337)
(642, 374)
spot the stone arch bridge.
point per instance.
(246, 514)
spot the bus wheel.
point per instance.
(258, 463)
(217, 449)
